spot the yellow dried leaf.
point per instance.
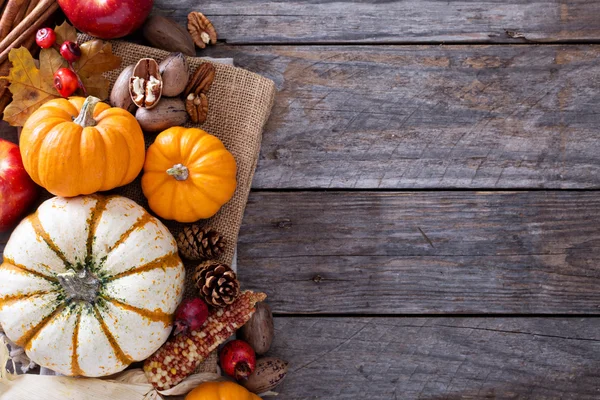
(97, 86)
(50, 62)
(65, 32)
(29, 86)
(96, 58)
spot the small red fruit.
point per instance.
(238, 359)
(65, 81)
(45, 37)
(190, 315)
(70, 51)
(17, 190)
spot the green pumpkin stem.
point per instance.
(179, 172)
(86, 115)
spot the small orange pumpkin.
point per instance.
(188, 175)
(221, 391)
(80, 146)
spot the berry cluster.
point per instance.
(66, 80)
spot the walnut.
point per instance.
(197, 107)
(202, 80)
(201, 29)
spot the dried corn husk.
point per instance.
(128, 385)
(18, 357)
(137, 376)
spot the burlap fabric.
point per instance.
(239, 105)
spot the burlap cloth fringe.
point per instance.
(239, 106)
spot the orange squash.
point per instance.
(188, 175)
(221, 391)
(81, 146)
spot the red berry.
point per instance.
(45, 37)
(65, 81)
(70, 51)
(190, 315)
(238, 359)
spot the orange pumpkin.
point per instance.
(81, 146)
(188, 175)
(221, 391)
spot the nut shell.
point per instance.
(145, 83)
(201, 29)
(169, 112)
(202, 79)
(269, 373)
(259, 331)
(166, 34)
(201, 103)
(119, 95)
(175, 74)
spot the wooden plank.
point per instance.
(8, 132)
(423, 252)
(439, 358)
(429, 116)
(416, 21)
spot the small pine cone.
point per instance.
(196, 243)
(217, 283)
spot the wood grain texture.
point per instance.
(359, 21)
(439, 358)
(429, 116)
(423, 252)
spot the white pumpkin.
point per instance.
(90, 284)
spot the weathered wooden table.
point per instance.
(425, 214)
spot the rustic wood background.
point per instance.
(425, 210)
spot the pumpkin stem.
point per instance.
(80, 285)
(86, 115)
(179, 172)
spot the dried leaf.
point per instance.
(65, 32)
(96, 58)
(96, 86)
(29, 86)
(51, 60)
(31, 81)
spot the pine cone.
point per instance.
(196, 243)
(217, 283)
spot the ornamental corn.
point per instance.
(180, 355)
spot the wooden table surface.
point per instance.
(425, 215)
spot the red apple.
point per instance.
(17, 190)
(106, 19)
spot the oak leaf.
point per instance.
(96, 58)
(29, 86)
(50, 62)
(32, 86)
(65, 32)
